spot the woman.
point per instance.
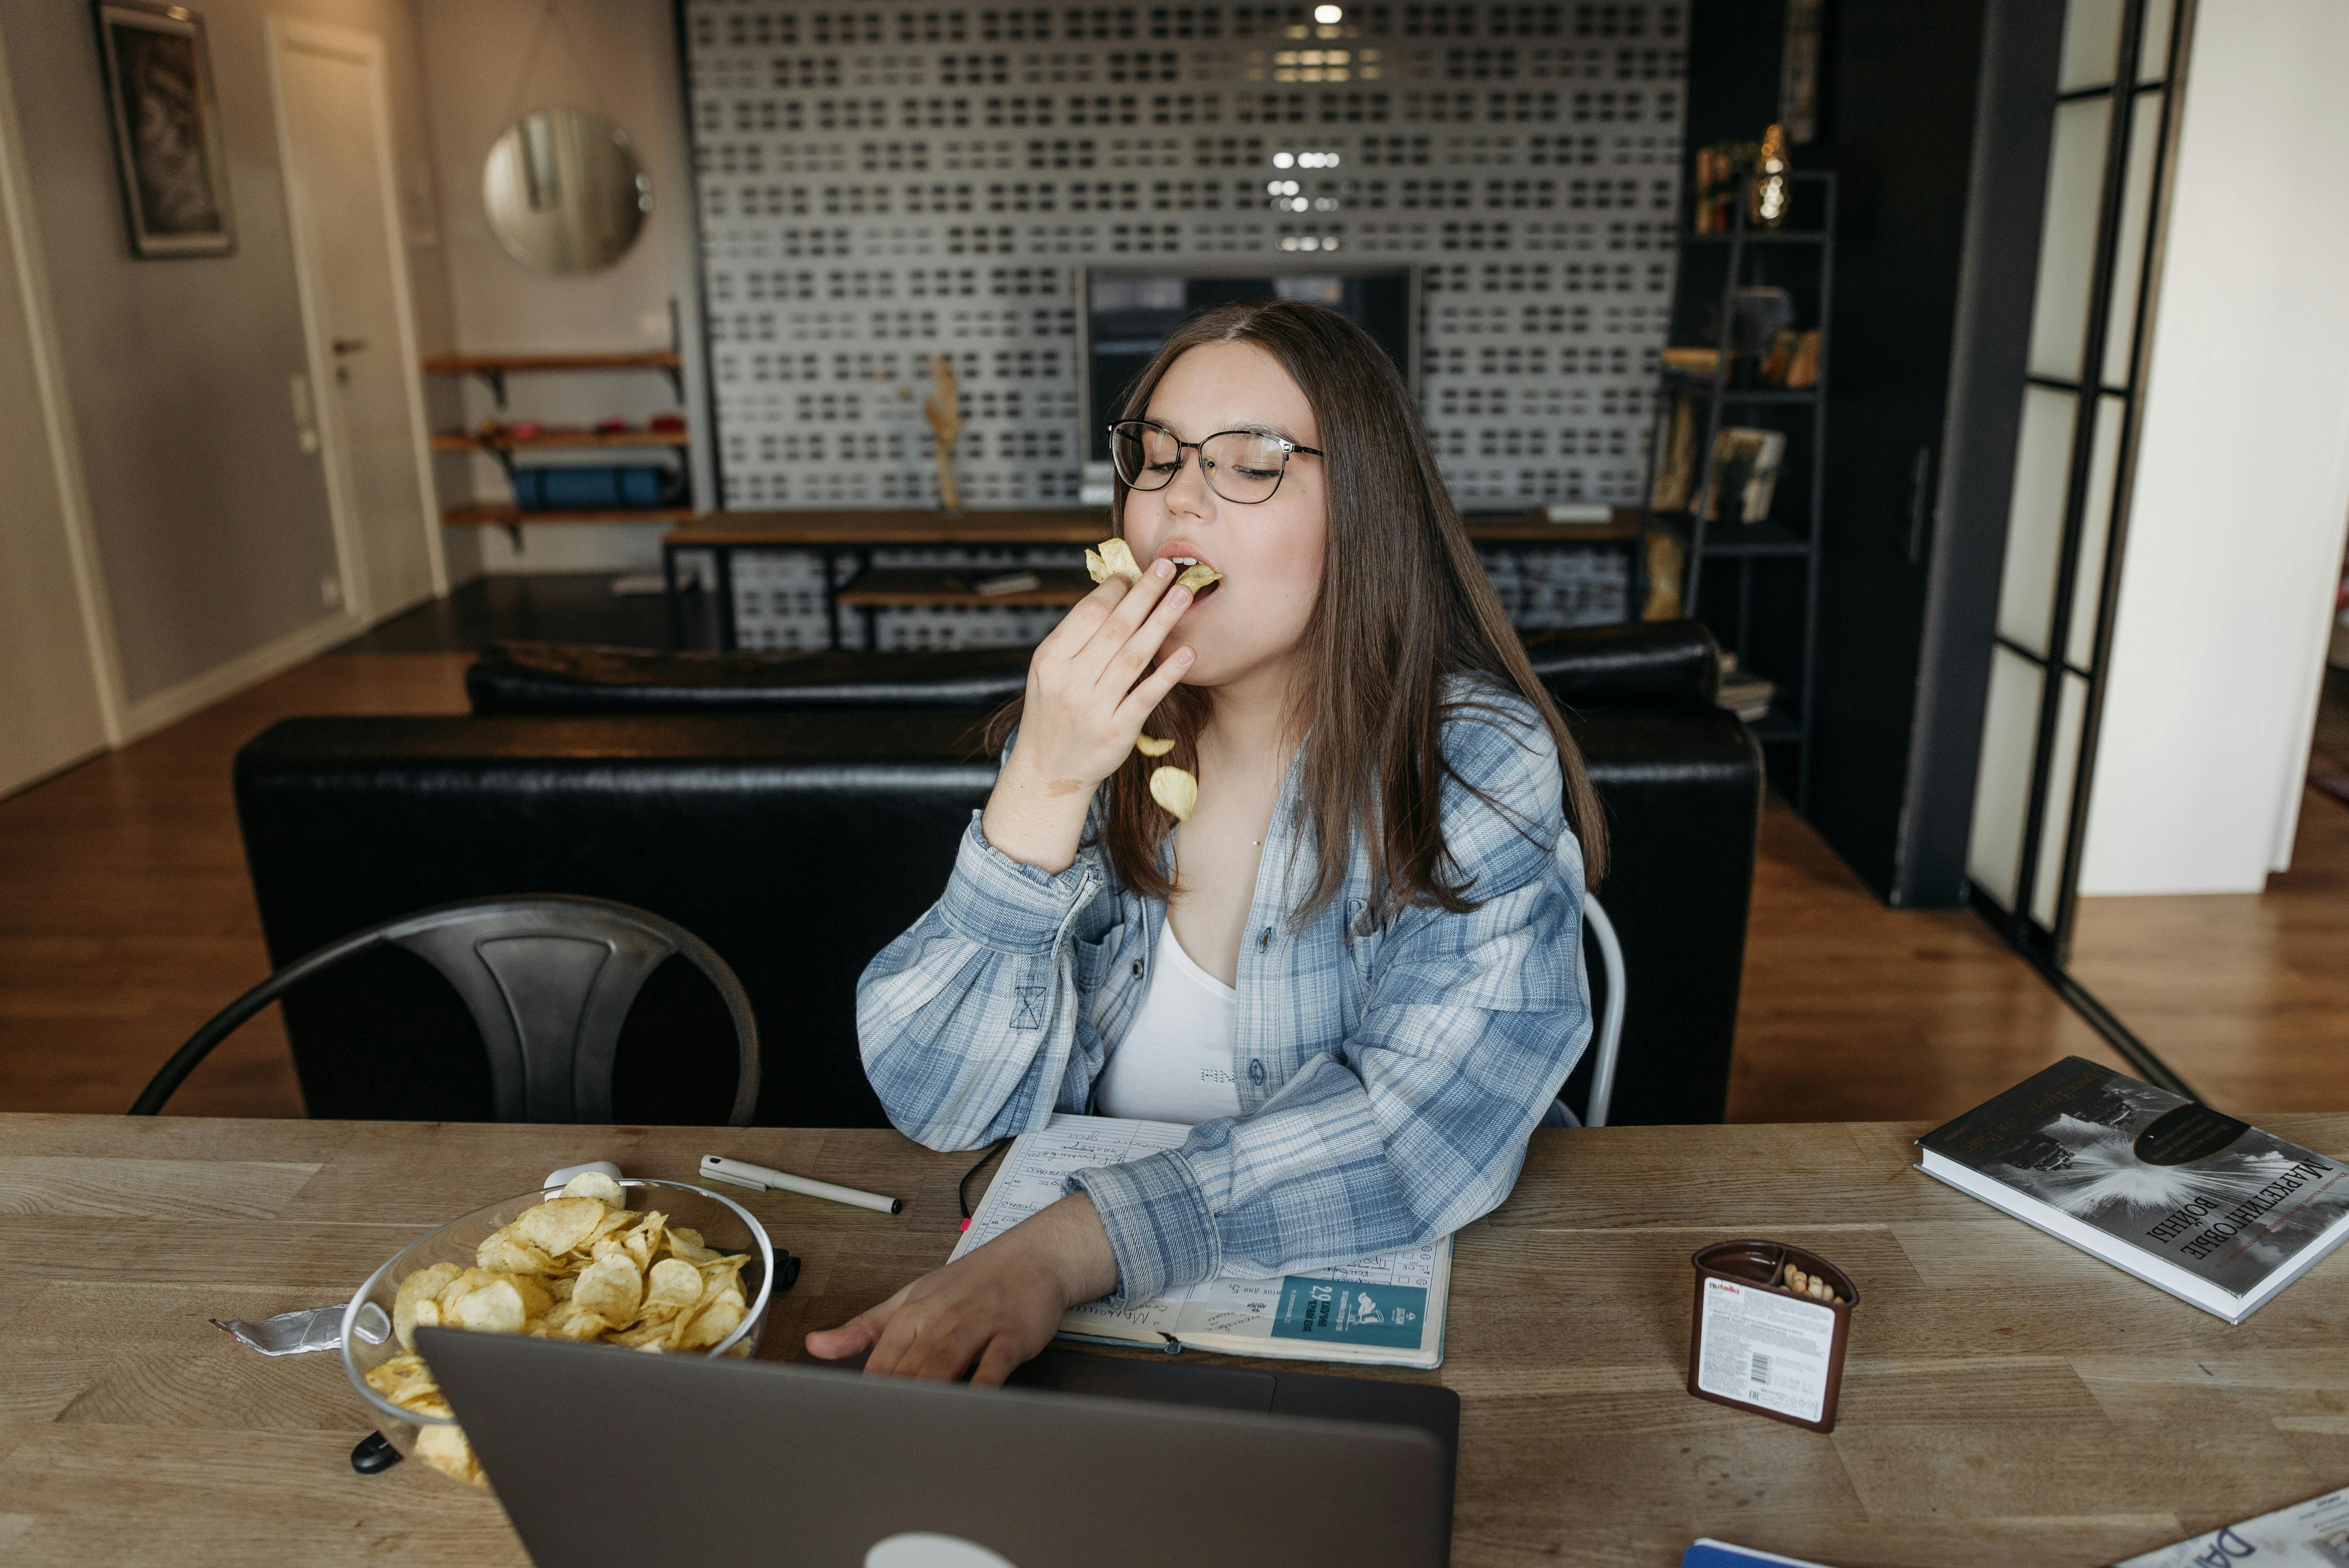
(1355, 968)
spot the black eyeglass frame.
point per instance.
(1288, 447)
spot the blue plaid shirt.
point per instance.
(1387, 1079)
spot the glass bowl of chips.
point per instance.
(654, 1265)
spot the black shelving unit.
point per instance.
(1751, 255)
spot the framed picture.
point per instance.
(166, 135)
(1744, 462)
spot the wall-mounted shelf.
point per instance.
(493, 514)
(467, 441)
(928, 588)
(846, 540)
(493, 369)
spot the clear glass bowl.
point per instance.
(367, 1340)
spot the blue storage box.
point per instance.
(597, 487)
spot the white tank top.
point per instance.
(1175, 1061)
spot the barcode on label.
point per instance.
(1761, 1372)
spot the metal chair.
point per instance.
(549, 981)
(1610, 1043)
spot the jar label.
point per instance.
(1760, 1347)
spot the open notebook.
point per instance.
(1385, 1310)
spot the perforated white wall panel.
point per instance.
(881, 183)
(878, 183)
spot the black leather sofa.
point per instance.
(798, 812)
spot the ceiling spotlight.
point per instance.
(1283, 160)
(1326, 14)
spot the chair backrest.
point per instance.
(548, 980)
(1608, 1043)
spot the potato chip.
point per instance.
(494, 1308)
(1198, 577)
(610, 1288)
(712, 1323)
(644, 1242)
(422, 1285)
(509, 1253)
(387, 1376)
(618, 1220)
(673, 1287)
(647, 1335)
(1114, 559)
(597, 1185)
(560, 1224)
(446, 1449)
(686, 1242)
(584, 1325)
(574, 1267)
(464, 1285)
(1174, 790)
(1151, 745)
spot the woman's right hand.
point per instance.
(1090, 690)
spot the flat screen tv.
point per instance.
(1127, 313)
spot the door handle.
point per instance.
(1920, 505)
(349, 345)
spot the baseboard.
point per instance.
(173, 703)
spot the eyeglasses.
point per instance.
(1241, 465)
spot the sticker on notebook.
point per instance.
(1334, 1311)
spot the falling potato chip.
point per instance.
(560, 1224)
(597, 1185)
(1114, 559)
(1198, 577)
(1174, 790)
(1151, 745)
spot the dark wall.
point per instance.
(1936, 118)
(1903, 146)
(1940, 135)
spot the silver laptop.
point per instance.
(603, 1455)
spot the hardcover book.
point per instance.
(2206, 1207)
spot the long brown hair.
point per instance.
(1404, 603)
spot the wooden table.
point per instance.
(2007, 1399)
(831, 534)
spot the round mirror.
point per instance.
(563, 191)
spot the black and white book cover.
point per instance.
(2228, 1204)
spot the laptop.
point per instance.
(607, 1456)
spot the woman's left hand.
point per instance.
(993, 1309)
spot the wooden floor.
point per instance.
(1850, 1009)
(126, 917)
(126, 920)
(2245, 995)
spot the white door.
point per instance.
(52, 691)
(335, 137)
